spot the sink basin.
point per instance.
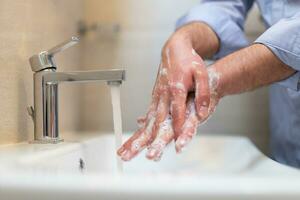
(212, 167)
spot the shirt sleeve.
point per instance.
(283, 39)
(226, 18)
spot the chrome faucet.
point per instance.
(45, 86)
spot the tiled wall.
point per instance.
(27, 27)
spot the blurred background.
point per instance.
(125, 34)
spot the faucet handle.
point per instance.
(63, 46)
(44, 59)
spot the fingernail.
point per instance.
(120, 150)
(126, 155)
(141, 124)
(158, 157)
(178, 149)
(180, 144)
(154, 154)
(203, 109)
(123, 153)
(151, 153)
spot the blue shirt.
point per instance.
(282, 37)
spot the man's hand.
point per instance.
(171, 115)
(182, 70)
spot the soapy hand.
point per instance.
(174, 113)
(165, 135)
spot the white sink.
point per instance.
(212, 167)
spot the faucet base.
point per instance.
(47, 140)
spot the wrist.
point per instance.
(201, 38)
(215, 80)
(180, 38)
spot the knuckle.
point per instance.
(202, 106)
(163, 89)
(177, 107)
(201, 73)
(163, 71)
(177, 88)
(200, 97)
(159, 119)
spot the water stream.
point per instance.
(117, 118)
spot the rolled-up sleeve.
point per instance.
(226, 18)
(283, 39)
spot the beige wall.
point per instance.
(145, 27)
(27, 27)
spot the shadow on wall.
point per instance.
(23, 119)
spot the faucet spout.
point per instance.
(114, 75)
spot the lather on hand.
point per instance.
(173, 113)
(182, 71)
(241, 68)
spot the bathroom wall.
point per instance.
(145, 26)
(27, 27)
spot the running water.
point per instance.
(115, 99)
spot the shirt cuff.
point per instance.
(283, 39)
(230, 34)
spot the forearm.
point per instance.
(198, 36)
(247, 69)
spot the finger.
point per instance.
(202, 93)
(161, 114)
(189, 128)
(127, 145)
(164, 137)
(162, 108)
(161, 79)
(150, 113)
(155, 95)
(178, 106)
(159, 89)
(212, 106)
(144, 136)
(157, 79)
(137, 142)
